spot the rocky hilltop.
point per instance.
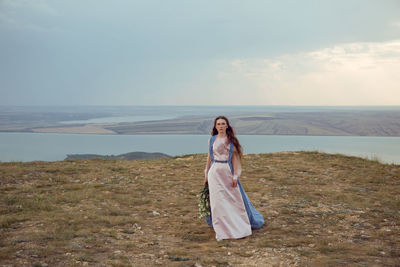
(319, 209)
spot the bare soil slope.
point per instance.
(319, 209)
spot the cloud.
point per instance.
(41, 6)
(396, 24)
(25, 14)
(347, 74)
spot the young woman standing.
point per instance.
(232, 214)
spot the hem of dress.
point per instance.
(235, 237)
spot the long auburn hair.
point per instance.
(230, 133)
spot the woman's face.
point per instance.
(221, 125)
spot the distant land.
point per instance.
(307, 123)
(252, 120)
(127, 156)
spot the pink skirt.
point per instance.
(229, 217)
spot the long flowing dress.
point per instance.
(232, 214)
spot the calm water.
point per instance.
(52, 147)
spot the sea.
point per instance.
(26, 146)
(15, 146)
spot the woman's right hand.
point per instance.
(205, 175)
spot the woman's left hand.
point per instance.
(234, 183)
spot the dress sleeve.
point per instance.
(237, 166)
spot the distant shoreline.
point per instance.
(254, 120)
(308, 124)
(138, 155)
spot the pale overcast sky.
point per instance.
(189, 52)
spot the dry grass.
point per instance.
(319, 209)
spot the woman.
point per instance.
(232, 214)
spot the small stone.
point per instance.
(155, 213)
(229, 253)
(75, 245)
(148, 255)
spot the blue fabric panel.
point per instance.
(210, 151)
(230, 152)
(210, 148)
(209, 220)
(255, 218)
(230, 157)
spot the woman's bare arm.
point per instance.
(207, 168)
